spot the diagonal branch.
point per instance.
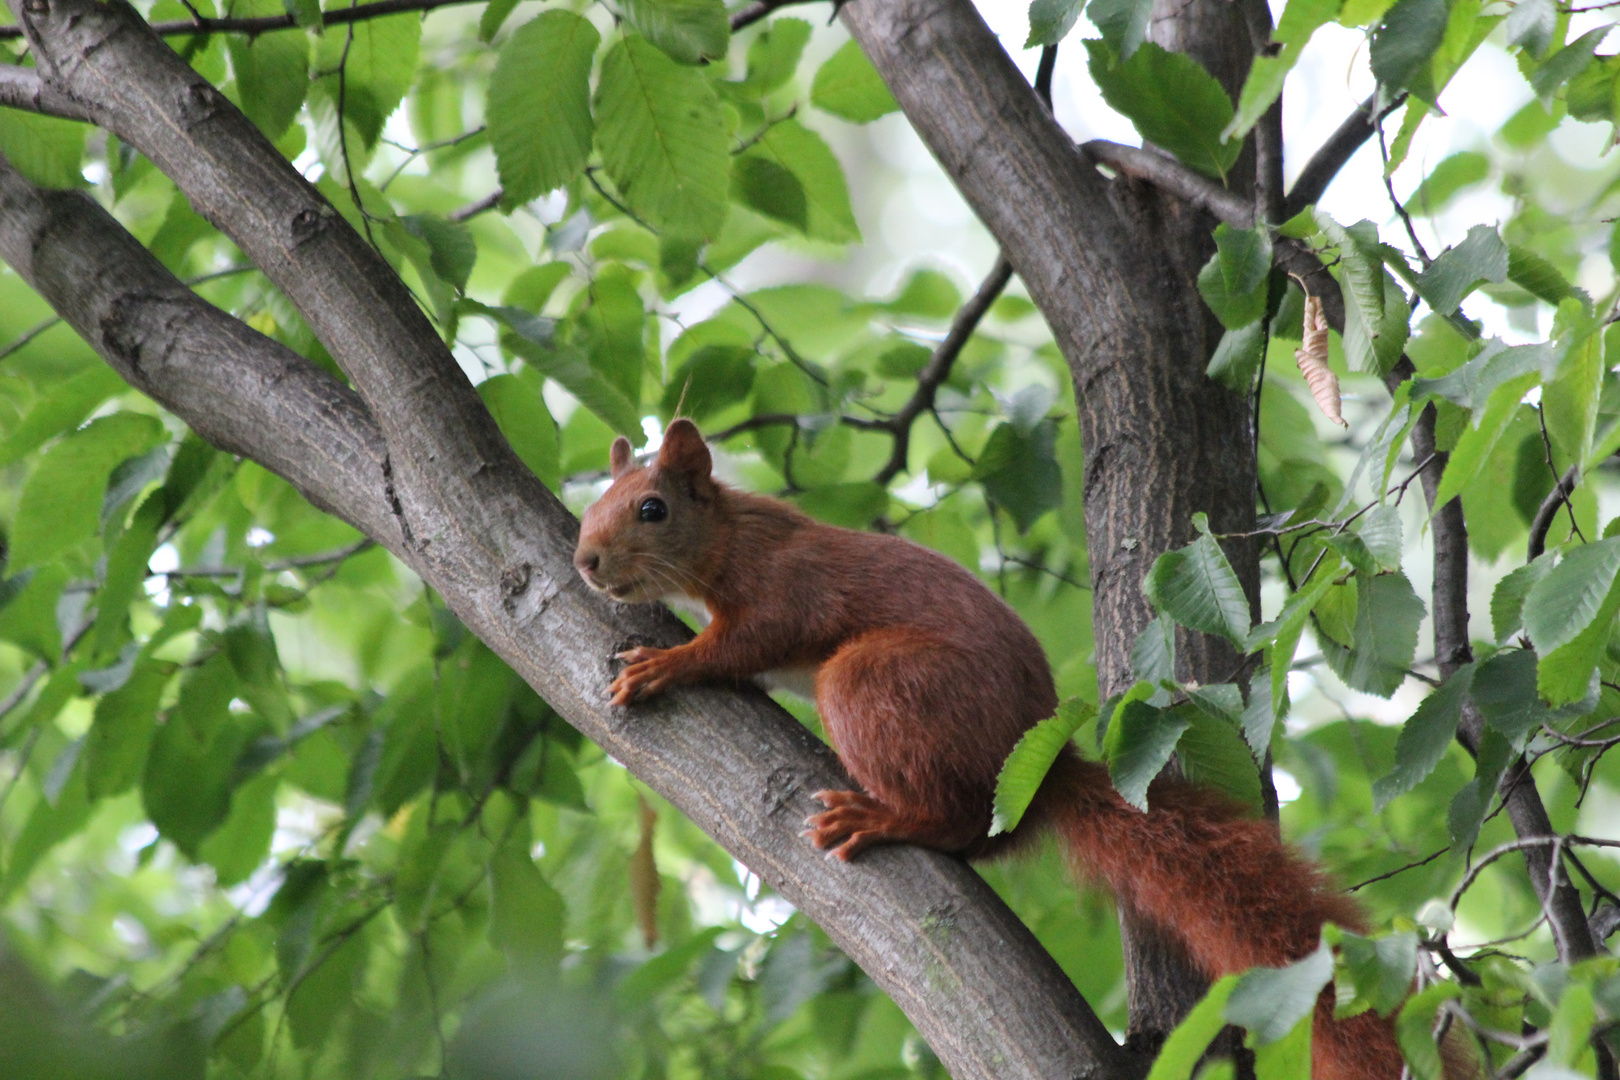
(22, 88)
(1331, 156)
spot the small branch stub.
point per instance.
(1312, 358)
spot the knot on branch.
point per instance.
(514, 583)
(198, 101)
(780, 787)
(308, 223)
(138, 326)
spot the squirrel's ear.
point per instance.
(621, 457)
(684, 451)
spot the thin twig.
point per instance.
(263, 24)
(1340, 147)
(1425, 861)
(756, 11)
(1541, 524)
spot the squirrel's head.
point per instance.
(649, 533)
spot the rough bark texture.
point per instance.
(415, 461)
(1112, 265)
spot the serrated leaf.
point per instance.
(1196, 586)
(1281, 636)
(1425, 737)
(1377, 972)
(1531, 24)
(60, 505)
(1474, 445)
(1270, 1001)
(773, 56)
(1153, 657)
(1568, 62)
(662, 139)
(539, 105)
(1381, 532)
(806, 157)
(1139, 742)
(1507, 601)
(1401, 47)
(1019, 471)
(1051, 20)
(710, 379)
(1237, 357)
(1388, 613)
(451, 248)
(1570, 398)
(1480, 258)
(1031, 759)
(689, 31)
(847, 86)
(570, 367)
(1233, 282)
(1472, 385)
(1172, 100)
(272, 70)
(378, 60)
(763, 185)
(116, 745)
(1566, 601)
(1213, 754)
(1505, 693)
(1375, 346)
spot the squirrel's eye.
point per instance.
(653, 510)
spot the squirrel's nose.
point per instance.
(587, 560)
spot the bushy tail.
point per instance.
(1221, 883)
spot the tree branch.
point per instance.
(479, 529)
(263, 24)
(752, 13)
(22, 88)
(1541, 524)
(938, 368)
(1331, 156)
(1165, 172)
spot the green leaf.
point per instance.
(496, 12)
(1027, 765)
(1139, 742)
(853, 505)
(186, 788)
(126, 574)
(1376, 346)
(1019, 471)
(1300, 19)
(1237, 357)
(272, 70)
(806, 157)
(689, 31)
(663, 140)
(1567, 600)
(520, 412)
(570, 367)
(1283, 632)
(378, 58)
(1197, 587)
(1414, 1029)
(60, 505)
(847, 86)
(242, 841)
(1153, 657)
(773, 56)
(1387, 616)
(1472, 384)
(612, 328)
(47, 151)
(1270, 1001)
(1401, 47)
(1505, 693)
(115, 748)
(1051, 20)
(1361, 265)
(451, 247)
(1186, 1044)
(539, 105)
(527, 915)
(1233, 282)
(1425, 738)
(1172, 100)
(62, 409)
(1531, 24)
(1213, 754)
(1454, 173)
(1567, 62)
(1480, 258)
(761, 184)
(710, 379)
(1474, 446)
(1123, 23)
(1507, 601)
(1537, 276)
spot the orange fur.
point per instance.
(925, 680)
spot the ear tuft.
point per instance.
(621, 457)
(685, 452)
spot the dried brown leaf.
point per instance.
(1312, 358)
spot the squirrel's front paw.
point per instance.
(646, 673)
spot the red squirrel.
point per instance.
(925, 680)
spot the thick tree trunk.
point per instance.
(1113, 267)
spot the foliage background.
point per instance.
(266, 808)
